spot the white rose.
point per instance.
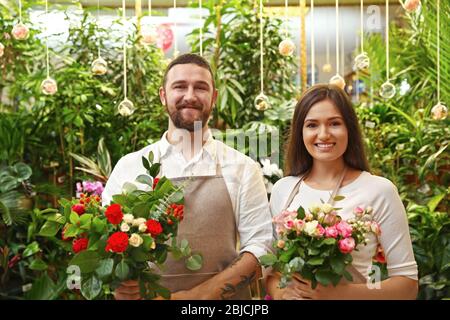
(315, 208)
(135, 240)
(138, 221)
(128, 218)
(124, 227)
(142, 227)
(311, 227)
(327, 208)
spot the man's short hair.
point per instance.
(186, 59)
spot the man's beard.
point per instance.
(179, 122)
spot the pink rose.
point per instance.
(411, 5)
(375, 228)
(299, 225)
(289, 224)
(346, 245)
(331, 232)
(20, 31)
(331, 219)
(320, 230)
(358, 211)
(345, 230)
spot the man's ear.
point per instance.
(162, 95)
(214, 97)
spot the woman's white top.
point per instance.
(388, 211)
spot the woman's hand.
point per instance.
(303, 289)
(128, 290)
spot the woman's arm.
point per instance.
(394, 288)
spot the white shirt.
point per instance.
(388, 212)
(242, 175)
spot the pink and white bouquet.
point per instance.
(318, 244)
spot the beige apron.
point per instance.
(210, 227)
(357, 276)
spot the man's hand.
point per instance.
(128, 290)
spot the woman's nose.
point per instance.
(323, 133)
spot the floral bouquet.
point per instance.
(318, 244)
(123, 241)
(271, 172)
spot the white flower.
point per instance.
(138, 221)
(124, 227)
(311, 227)
(135, 240)
(314, 209)
(327, 208)
(142, 227)
(270, 169)
(128, 218)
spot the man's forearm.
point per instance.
(226, 284)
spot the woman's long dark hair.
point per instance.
(298, 160)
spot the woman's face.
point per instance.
(324, 132)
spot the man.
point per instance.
(226, 196)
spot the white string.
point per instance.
(387, 40)
(201, 28)
(261, 44)
(20, 11)
(175, 46)
(46, 39)
(327, 44)
(98, 38)
(362, 26)
(342, 53)
(337, 36)
(438, 13)
(313, 68)
(286, 18)
(149, 8)
(124, 51)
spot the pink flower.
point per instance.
(411, 5)
(281, 244)
(358, 211)
(320, 230)
(345, 230)
(331, 232)
(375, 228)
(346, 245)
(299, 225)
(289, 224)
(281, 219)
(331, 219)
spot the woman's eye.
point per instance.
(335, 123)
(310, 125)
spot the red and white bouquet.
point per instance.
(318, 244)
(113, 244)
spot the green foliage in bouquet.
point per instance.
(126, 240)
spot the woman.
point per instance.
(325, 156)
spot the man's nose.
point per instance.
(189, 96)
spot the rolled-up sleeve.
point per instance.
(254, 219)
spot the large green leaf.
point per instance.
(105, 268)
(50, 229)
(122, 270)
(42, 289)
(31, 249)
(194, 262)
(23, 171)
(86, 260)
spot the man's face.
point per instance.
(188, 95)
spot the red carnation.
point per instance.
(79, 209)
(153, 227)
(117, 242)
(155, 182)
(114, 213)
(80, 245)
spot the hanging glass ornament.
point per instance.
(126, 108)
(49, 86)
(387, 90)
(337, 80)
(20, 31)
(2, 49)
(362, 62)
(286, 47)
(99, 66)
(439, 111)
(411, 5)
(262, 102)
(327, 68)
